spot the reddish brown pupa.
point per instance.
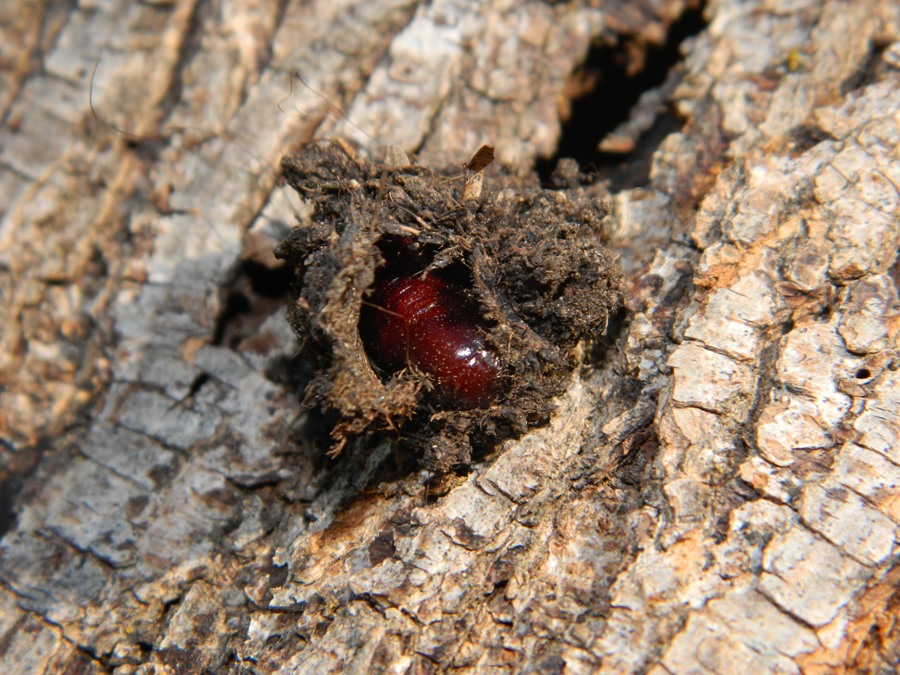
(422, 321)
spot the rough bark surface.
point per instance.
(721, 494)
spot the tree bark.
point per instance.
(721, 494)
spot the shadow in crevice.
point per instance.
(255, 292)
(609, 103)
(9, 493)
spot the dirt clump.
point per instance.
(437, 306)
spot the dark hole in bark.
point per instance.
(236, 303)
(613, 330)
(806, 137)
(197, 384)
(610, 102)
(267, 281)
(873, 71)
(257, 291)
(9, 491)
(863, 374)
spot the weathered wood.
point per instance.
(721, 495)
